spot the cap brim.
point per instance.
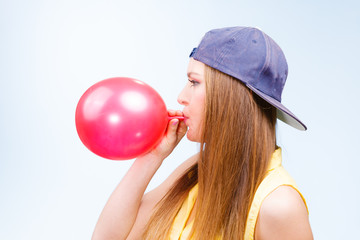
(283, 113)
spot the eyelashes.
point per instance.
(193, 82)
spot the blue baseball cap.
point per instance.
(252, 57)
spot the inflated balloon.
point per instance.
(121, 118)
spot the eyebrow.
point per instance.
(193, 73)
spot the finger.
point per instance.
(179, 113)
(174, 124)
(172, 130)
(171, 112)
(182, 129)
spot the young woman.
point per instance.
(235, 187)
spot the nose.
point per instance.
(182, 99)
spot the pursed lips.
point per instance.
(185, 117)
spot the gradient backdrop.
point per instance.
(52, 187)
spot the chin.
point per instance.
(192, 138)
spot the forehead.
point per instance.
(196, 68)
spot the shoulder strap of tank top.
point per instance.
(276, 177)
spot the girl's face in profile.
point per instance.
(192, 97)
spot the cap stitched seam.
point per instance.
(266, 64)
(226, 49)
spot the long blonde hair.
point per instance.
(238, 141)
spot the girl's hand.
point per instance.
(175, 131)
(120, 212)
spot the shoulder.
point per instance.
(283, 215)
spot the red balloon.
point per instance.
(121, 118)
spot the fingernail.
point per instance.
(175, 122)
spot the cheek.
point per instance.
(200, 105)
(195, 130)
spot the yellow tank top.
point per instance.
(276, 176)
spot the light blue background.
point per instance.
(52, 187)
